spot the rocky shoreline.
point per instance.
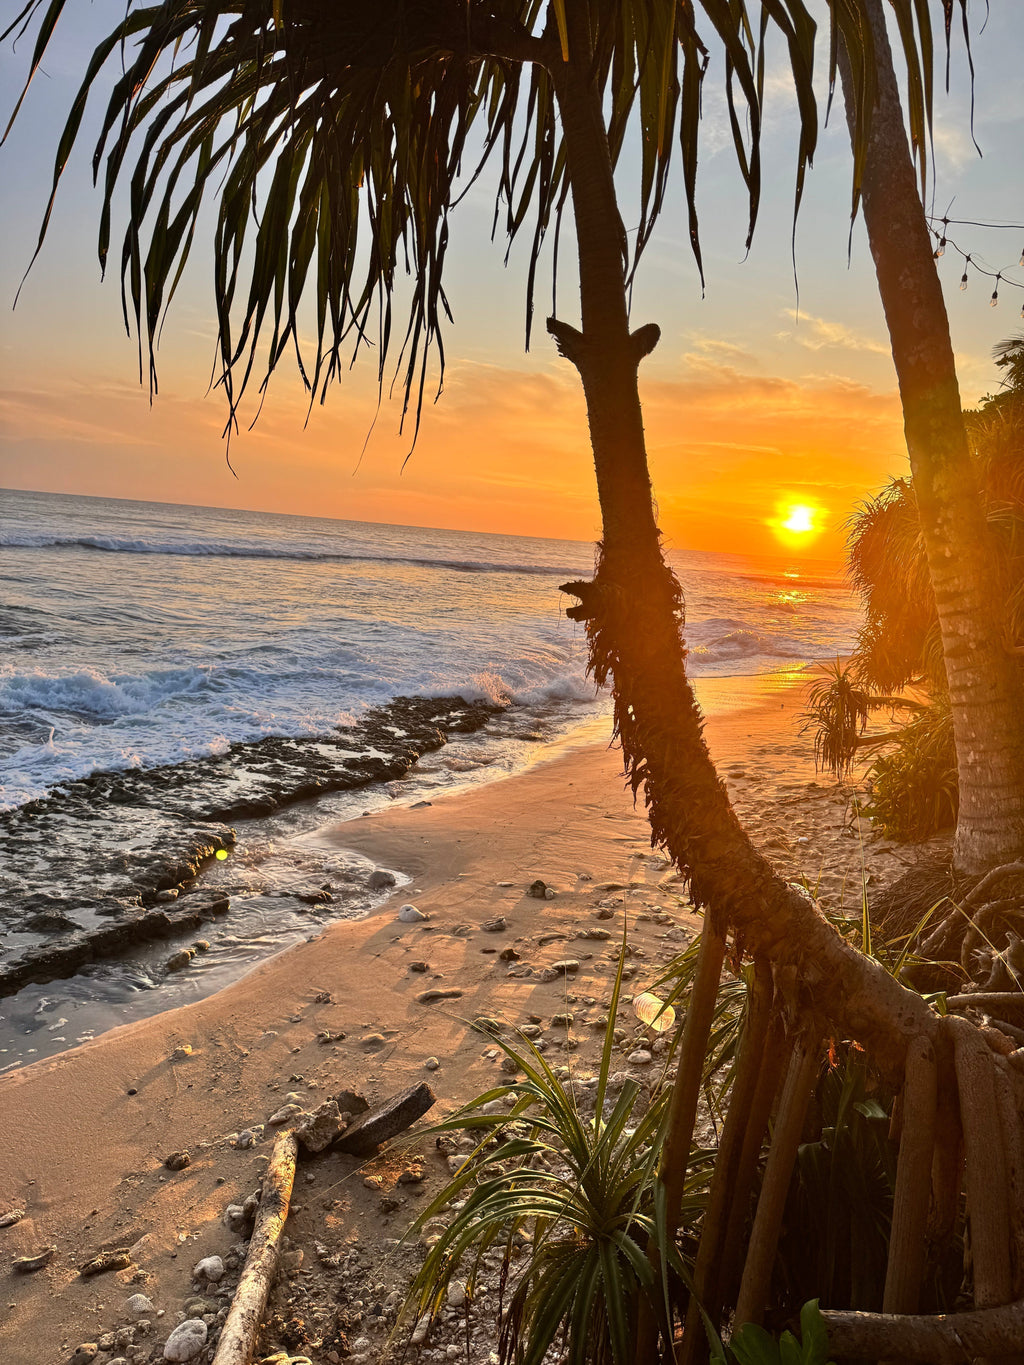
(84, 868)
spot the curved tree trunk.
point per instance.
(984, 684)
(633, 612)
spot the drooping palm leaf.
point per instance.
(332, 138)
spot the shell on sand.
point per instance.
(653, 1012)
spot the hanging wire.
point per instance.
(944, 241)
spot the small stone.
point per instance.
(510, 1064)
(323, 998)
(550, 893)
(179, 959)
(284, 1115)
(291, 1261)
(419, 1332)
(106, 1260)
(508, 954)
(26, 1265)
(429, 997)
(494, 926)
(8, 1220)
(380, 878)
(410, 915)
(641, 1057)
(412, 1175)
(180, 1053)
(566, 967)
(246, 1138)
(202, 945)
(177, 1161)
(431, 1064)
(389, 1204)
(599, 934)
(486, 1024)
(419, 966)
(562, 1020)
(138, 1305)
(186, 1341)
(320, 1128)
(209, 1268)
(530, 1030)
(373, 1042)
(456, 1294)
(538, 890)
(606, 912)
(85, 1353)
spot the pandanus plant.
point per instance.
(331, 137)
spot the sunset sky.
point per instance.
(750, 408)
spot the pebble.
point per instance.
(419, 1332)
(138, 1305)
(179, 959)
(410, 915)
(177, 1161)
(8, 1220)
(419, 966)
(180, 1053)
(202, 945)
(429, 997)
(494, 926)
(284, 1114)
(431, 1064)
(456, 1294)
(380, 878)
(641, 1057)
(320, 1128)
(562, 1020)
(186, 1341)
(246, 1138)
(209, 1268)
(25, 1265)
(538, 890)
(85, 1353)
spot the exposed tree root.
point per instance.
(944, 1339)
(237, 1344)
(985, 1173)
(764, 1237)
(907, 1241)
(725, 1188)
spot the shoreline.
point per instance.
(86, 1133)
(58, 994)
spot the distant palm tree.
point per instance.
(985, 691)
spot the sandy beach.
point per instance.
(84, 1136)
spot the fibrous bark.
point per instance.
(984, 681)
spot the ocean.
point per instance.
(181, 681)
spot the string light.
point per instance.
(942, 241)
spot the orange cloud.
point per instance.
(504, 450)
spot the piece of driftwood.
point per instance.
(237, 1344)
(942, 1339)
(385, 1120)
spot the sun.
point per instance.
(797, 524)
(800, 520)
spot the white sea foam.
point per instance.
(144, 635)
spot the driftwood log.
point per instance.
(237, 1344)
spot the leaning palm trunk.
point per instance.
(983, 678)
(633, 614)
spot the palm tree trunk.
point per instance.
(633, 611)
(984, 684)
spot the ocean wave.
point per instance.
(90, 694)
(214, 550)
(747, 644)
